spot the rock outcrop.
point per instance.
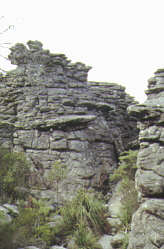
(148, 222)
(51, 112)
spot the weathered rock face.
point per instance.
(50, 111)
(148, 221)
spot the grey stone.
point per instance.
(57, 135)
(148, 222)
(105, 241)
(78, 146)
(149, 183)
(31, 247)
(11, 209)
(59, 145)
(4, 210)
(115, 224)
(115, 205)
(117, 240)
(44, 194)
(4, 217)
(51, 112)
(147, 225)
(57, 247)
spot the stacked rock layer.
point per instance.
(49, 111)
(148, 221)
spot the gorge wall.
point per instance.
(148, 222)
(51, 112)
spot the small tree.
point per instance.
(127, 166)
(57, 173)
(14, 173)
(29, 227)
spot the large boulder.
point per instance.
(51, 112)
(148, 222)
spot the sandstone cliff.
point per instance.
(148, 221)
(51, 112)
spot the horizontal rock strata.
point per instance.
(148, 221)
(49, 111)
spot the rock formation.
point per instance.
(51, 112)
(148, 222)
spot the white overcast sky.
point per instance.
(123, 40)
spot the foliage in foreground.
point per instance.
(125, 242)
(28, 228)
(83, 220)
(126, 174)
(84, 238)
(14, 174)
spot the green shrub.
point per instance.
(85, 207)
(127, 166)
(83, 211)
(28, 228)
(30, 224)
(126, 174)
(57, 173)
(125, 242)
(6, 236)
(14, 173)
(84, 238)
(129, 202)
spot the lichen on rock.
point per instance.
(148, 223)
(53, 113)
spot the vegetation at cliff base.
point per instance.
(83, 221)
(125, 173)
(57, 173)
(14, 174)
(28, 227)
(127, 166)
